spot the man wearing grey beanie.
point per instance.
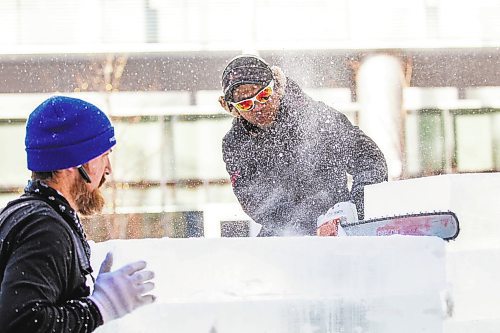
(44, 253)
(288, 156)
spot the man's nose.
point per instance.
(108, 169)
(258, 107)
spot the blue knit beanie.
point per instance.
(64, 132)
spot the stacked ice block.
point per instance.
(472, 260)
(300, 284)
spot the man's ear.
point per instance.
(280, 79)
(223, 103)
(228, 107)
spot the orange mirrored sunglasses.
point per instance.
(262, 97)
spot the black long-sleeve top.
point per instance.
(43, 281)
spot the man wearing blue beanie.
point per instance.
(44, 254)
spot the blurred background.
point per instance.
(421, 77)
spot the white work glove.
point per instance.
(120, 292)
(329, 224)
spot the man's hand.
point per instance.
(120, 292)
(329, 224)
(329, 228)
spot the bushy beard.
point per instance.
(87, 202)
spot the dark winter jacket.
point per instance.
(286, 175)
(44, 264)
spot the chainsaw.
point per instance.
(342, 221)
